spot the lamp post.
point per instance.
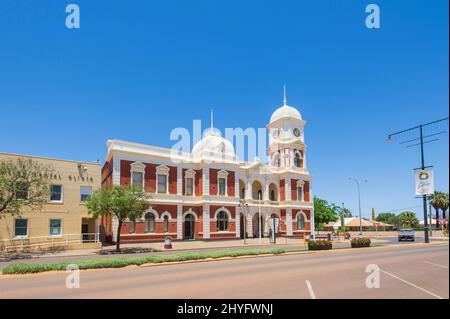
(260, 219)
(422, 160)
(358, 183)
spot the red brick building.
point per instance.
(201, 195)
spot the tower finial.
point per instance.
(212, 120)
(284, 96)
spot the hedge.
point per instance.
(360, 242)
(320, 245)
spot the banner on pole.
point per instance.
(424, 182)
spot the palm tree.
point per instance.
(408, 219)
(443, 204)
(437, 200)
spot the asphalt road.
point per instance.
(407, 271)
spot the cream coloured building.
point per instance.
(64, 218)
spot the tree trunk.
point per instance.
(119, 229)
(437, 218)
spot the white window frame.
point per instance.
(189, 174)
(224, 175)
(59, 201)
(302, 197)
(162, 170)
(14, 228)
(137, 167)
(60, 227)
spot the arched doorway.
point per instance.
(256, 228)
(189, 227)
(242, 225)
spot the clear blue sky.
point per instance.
(136, 70)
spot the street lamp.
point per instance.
(358, 183)
(243, 203)
(422, 159)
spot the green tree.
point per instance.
(408, 219)
(373, 214)
(120, 202)
(389, 218)
(23, 183)
(324, 212)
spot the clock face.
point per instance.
(275, 133)
(296, 132)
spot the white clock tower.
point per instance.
(287, 147)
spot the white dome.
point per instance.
(285, 111)
(213, 145)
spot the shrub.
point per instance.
(360, 242)
(320, 245)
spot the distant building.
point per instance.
(352, 224)
(64, 218)
(198, 196)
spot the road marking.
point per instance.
(411, 284)
(311, 291)
(437, 265)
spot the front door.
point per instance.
(189, 227)
(242, 226)
(85, 231)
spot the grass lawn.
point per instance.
(119, 262)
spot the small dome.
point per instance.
(213, 145)
(285, 111)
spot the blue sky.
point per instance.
(136, 70)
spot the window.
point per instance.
(297, 160)
(132, 226)
(300, 221)
(259, 194)
(189, 186)
(222, 186)
(85, 193)
(22, 191)
(55, 227)
(137, 181)
(56, 193)
(166, 224)
(149, 223)
(162, 184)
(222, 221)
(300, 193)
(272, 195)
(20, 227)
(242, 193)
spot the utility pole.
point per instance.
(358, 183)
(422, 162)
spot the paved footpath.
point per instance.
(406, 271)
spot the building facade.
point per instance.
(209, 194)
(64, 217)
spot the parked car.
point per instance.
(406, 234)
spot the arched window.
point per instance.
(260, 194)
(149, 223)
(222, 221)
(300, 221)
(166, 224)
(276, 160)
(297, 160)
(272, 195)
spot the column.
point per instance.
(237, 217)
(289, 231)
(205, 180)
(248, 191)
(249, 224)
(116, 171)
(115, 227)
(266, 190)
(206, 222)
(179, 221)
(179, 180)
(287, 187)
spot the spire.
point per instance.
(284, 96)
(212, 120)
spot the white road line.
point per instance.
(437, 265)
(311, 291)
(411, 284)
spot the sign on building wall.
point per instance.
(424, 182)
